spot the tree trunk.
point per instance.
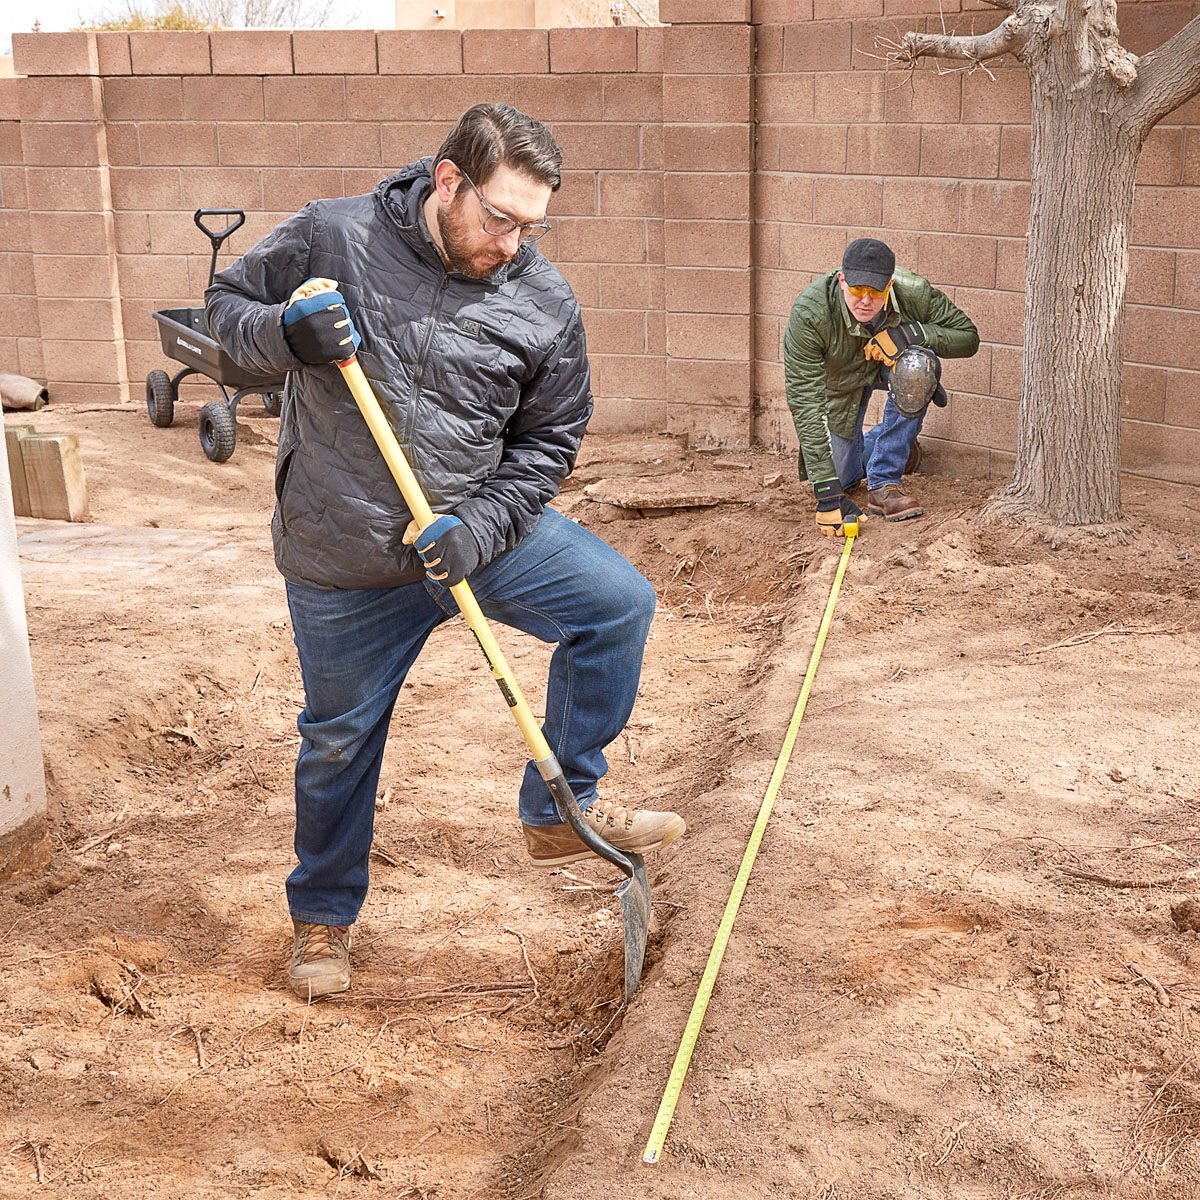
(1077, 262)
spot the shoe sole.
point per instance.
(314, 989)
(907, 515)
(561, 860)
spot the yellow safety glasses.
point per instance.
(862, 292)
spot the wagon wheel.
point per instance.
(218, 430)
(273, 403)
(160, 399)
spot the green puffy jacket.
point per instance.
(824, 367)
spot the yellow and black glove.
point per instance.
(837, 514)
(888, 344)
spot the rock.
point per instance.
(1186, 916)
(64, 879)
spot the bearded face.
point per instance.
(469, 251)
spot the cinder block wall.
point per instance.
(714, 168)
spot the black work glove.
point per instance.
(318, 329)
(887, 345)
(835, 510)
(447, 548)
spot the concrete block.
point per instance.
(382, 98)
(704, 12)
(703, 336)
(112, 54)
(178, 143)
(593, 50)
(170, 53)
(707, 49)
(716, 147)
(271, 144)
(706, 98)
(599, 146)
(420, 52)
(625, 97)
(699, 195)
(60, 143)
(334, 52)
(822, 46)
(628, 194)
(506, 51)
(223, 98)
(601, 239)
(60, 98)
(140, 99)
(264, 52)
(650, 50)
(71, 53)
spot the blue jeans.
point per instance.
(561, 584)
(881, 453)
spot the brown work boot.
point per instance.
(624, 828)
(914, 459)
(320, 963)
(890, 503)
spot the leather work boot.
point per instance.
(624, 828)
(320, 963)
(890, 503)
(914, 459)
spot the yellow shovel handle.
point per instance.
(414, 498)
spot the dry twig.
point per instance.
(1114, 881)
(1111, 630)
(1141, 976)
(537, 991)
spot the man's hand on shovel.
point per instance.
(317, 325)
(446, 544)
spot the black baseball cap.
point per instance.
(869, 262)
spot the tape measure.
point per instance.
(691, 1030)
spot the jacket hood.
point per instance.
(402, 195)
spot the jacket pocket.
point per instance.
(283, 466)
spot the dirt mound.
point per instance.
(964, 965)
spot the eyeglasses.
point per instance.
(497, 224)
(862, 292)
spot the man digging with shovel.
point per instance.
(473, 344)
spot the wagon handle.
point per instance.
(215, 237)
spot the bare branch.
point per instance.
(1011, 36)
(1167, 77)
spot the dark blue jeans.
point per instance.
(881, 453)
(562, 584)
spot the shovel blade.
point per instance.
(634, 895)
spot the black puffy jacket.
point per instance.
(484, 382)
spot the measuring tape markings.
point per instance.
(691, 1032)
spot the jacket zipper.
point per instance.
(415, 392)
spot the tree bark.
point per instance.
(1084, 161)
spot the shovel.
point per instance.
(634, 892)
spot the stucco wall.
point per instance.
(714, 167)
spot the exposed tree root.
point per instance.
(1037, 524)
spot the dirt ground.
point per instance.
(966, 964)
